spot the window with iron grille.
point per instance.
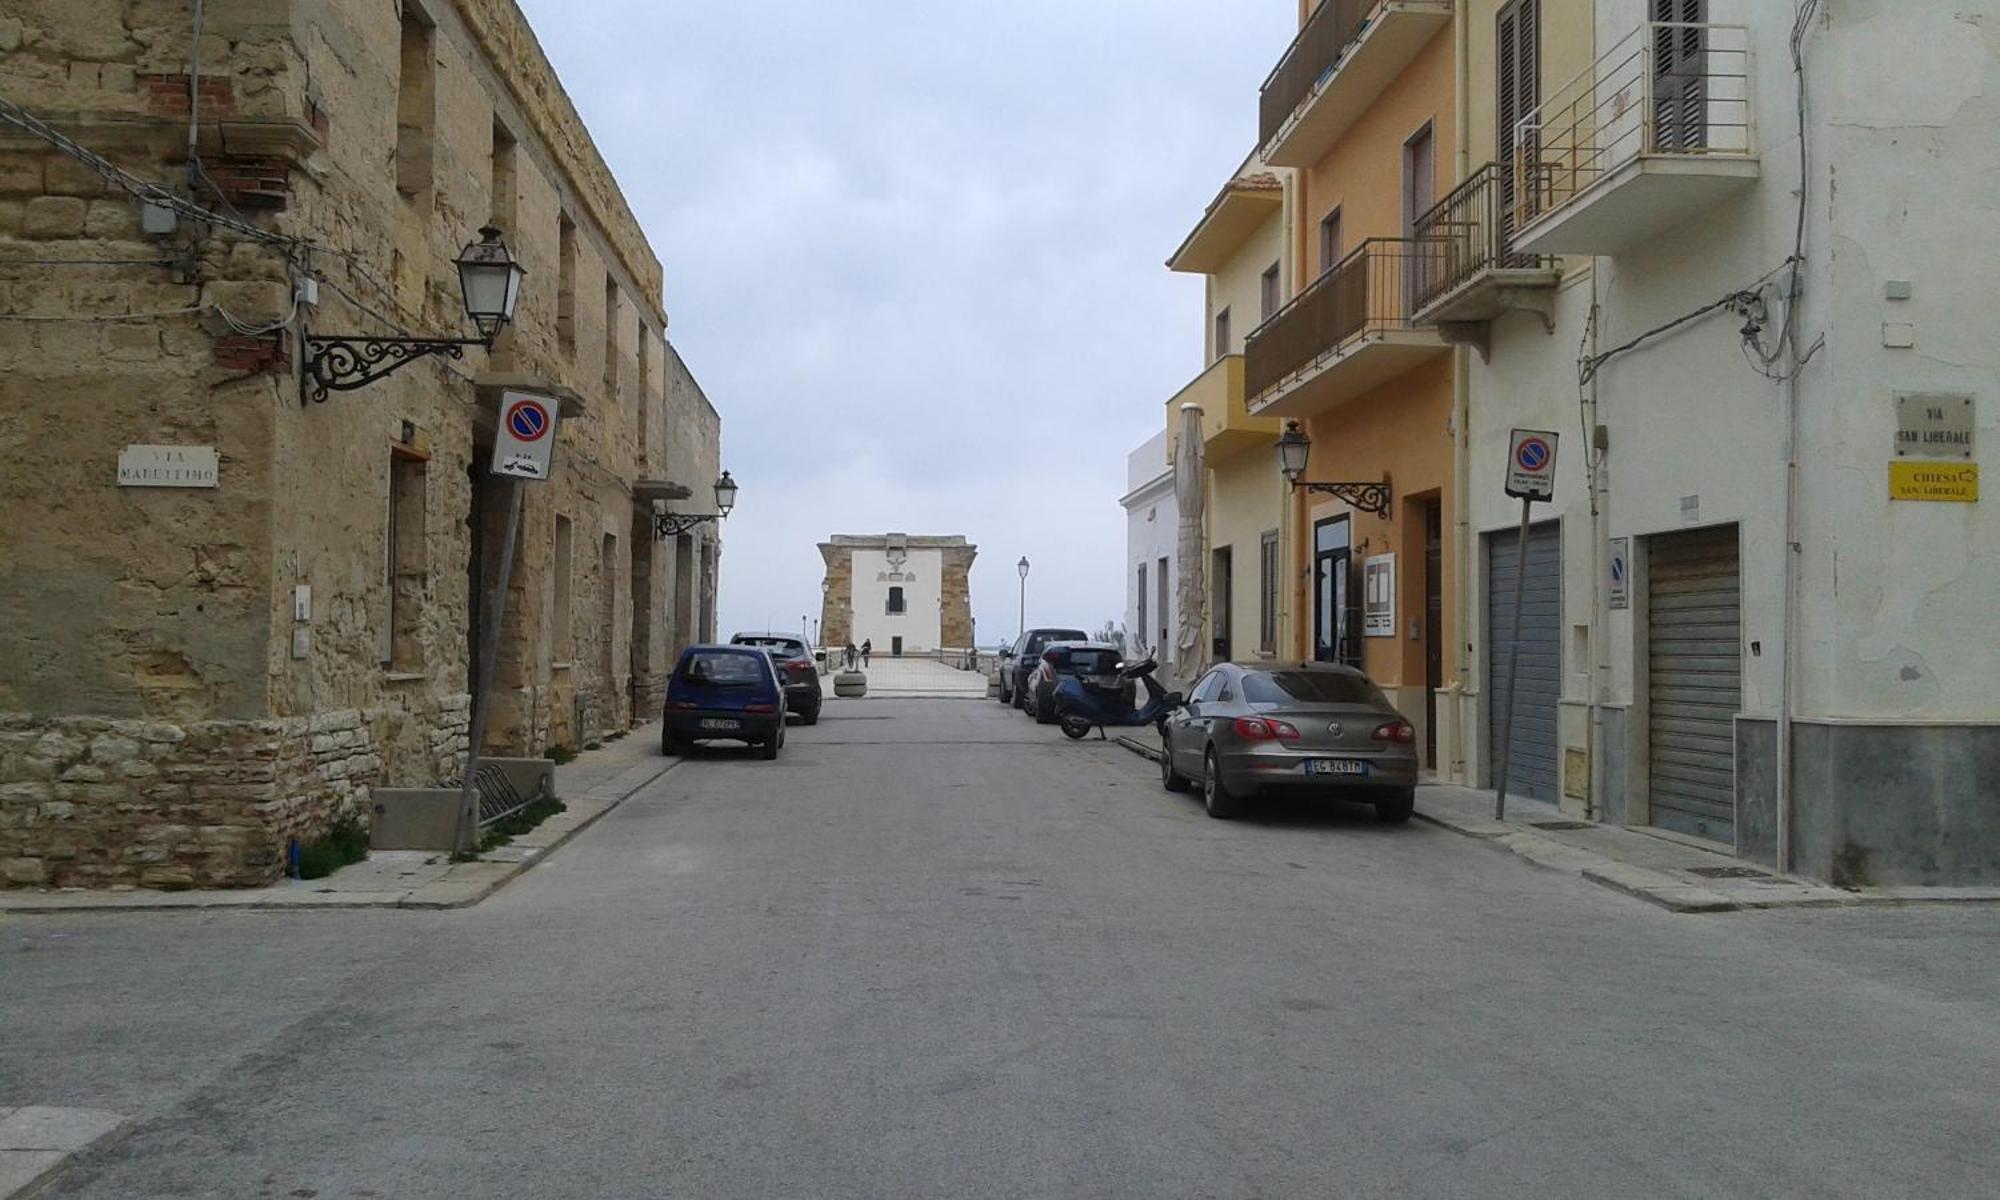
(895, 601)
(1267, 594)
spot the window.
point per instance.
(1311, 687)
(505, 183)
(566, 285)
(1329, 241)
(611, 337)
(1267, 593)
(560, 643)
(1210, 687)
(416, 106)
(895, 607)
(1517, 75)
(407, 562)
(1221, 333)
(1419, 176)
(644, 406)
(1268, 300)
(607, 608)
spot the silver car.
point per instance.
(1315, 728)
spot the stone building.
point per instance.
(194, 676)
(907, 594)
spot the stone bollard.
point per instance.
(850, 685)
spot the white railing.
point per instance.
(1668, 88)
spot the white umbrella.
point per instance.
(1190, 493)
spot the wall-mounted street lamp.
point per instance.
(489, 280)
(1295, 448)
(666, 525)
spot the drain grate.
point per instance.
(1560, 824)
(1729, 872)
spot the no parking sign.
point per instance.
(524, 443)
(1531, 465)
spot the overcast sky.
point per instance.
(914, 251)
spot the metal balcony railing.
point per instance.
(1312, 56)
(1367, 293)
(1472, 230)
(1666, 88)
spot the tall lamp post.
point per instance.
(1022, 567)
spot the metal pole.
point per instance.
(1513, 666)
(482, 700)
(1024, 604)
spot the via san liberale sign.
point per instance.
(1934, 448)
(168, 467)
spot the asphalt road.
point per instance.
(937, 951)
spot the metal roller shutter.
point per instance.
(1532, 761)
(1695, 681)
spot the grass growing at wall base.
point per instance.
(345, 842)
(503, 831)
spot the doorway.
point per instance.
(1336, 615)
(1433, 624)
(895, 647)
(1222, 588)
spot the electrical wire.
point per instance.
(101, 317)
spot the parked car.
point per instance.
(1315, 728)
(798, 667)
(724, 692)
(1095, 662)
(1018, 661)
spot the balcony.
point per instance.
(1347, 332)
(1478, 276)
(1347, 53)
(1654, 133)
(1227, 428)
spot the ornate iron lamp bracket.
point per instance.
(1367, 497)
(342, 364)
(666, 524)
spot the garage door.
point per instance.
(1694, 656)
(1531, 758)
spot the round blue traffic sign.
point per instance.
(527, 420)
(1532, 454)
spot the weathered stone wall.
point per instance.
(836, 620)
(176, 607)
(957, 597)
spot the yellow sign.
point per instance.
(1957, 482)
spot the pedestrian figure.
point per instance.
(850, 656)
(867, 645)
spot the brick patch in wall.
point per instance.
(270, 352)
(168, 96)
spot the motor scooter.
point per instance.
(1084, 704)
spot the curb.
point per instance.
(37, 1144)
(612, 795)
(1643, 883)
(475, 880)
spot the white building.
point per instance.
(1152, 525)
(906, 594)
(1678, 633)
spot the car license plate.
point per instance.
(1336, 766)
(718, 723)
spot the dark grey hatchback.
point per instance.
(1315, 728)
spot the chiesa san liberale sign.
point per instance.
(1934, 449)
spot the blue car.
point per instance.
(724, 692)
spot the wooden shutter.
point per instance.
(1680, 91)
(1518, 77)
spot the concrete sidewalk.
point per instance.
(596, 782)
(1679, 874)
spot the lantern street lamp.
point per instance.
(489, 283)
(666, 525)
(1295, 449)
(1022, 567)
